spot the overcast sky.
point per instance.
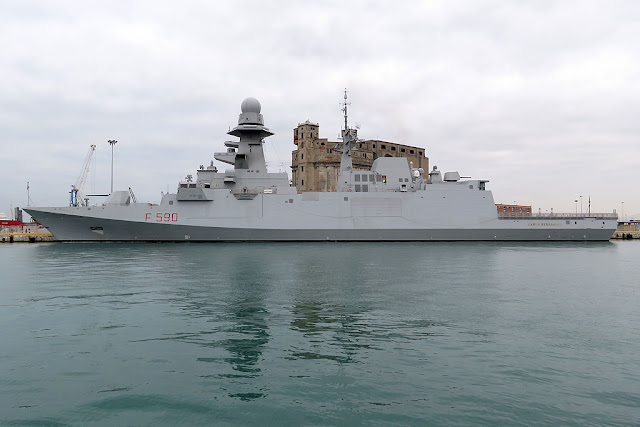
(542, 98)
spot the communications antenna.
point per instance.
(344, 109)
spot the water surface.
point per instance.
(320, 334)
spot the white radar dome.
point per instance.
(251, 105)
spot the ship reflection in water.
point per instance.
(245, 338)
(232, 306)
(319, 309)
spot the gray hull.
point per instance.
(326, 217)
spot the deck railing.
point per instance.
(546, 215)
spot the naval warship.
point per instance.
(393, 201)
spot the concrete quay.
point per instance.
(625, 235)
(26, 237)
(30, 233)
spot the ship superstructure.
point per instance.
(392, 202)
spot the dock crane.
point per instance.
(77, 198)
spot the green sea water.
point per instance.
(320, 334)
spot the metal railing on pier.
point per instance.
(547, 215)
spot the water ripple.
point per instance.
(387, 334)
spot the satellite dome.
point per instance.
(251, 105)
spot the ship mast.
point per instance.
(346, 164)
(344, 109)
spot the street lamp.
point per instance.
(580, 205)
(576, 200)
(112, 142)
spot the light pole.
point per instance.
(622, 219)
(113, 142)
(580, 205)
(576, 200)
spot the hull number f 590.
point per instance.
(161, 217)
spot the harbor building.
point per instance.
(627, 230)
(15, 230)
(315, 165)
